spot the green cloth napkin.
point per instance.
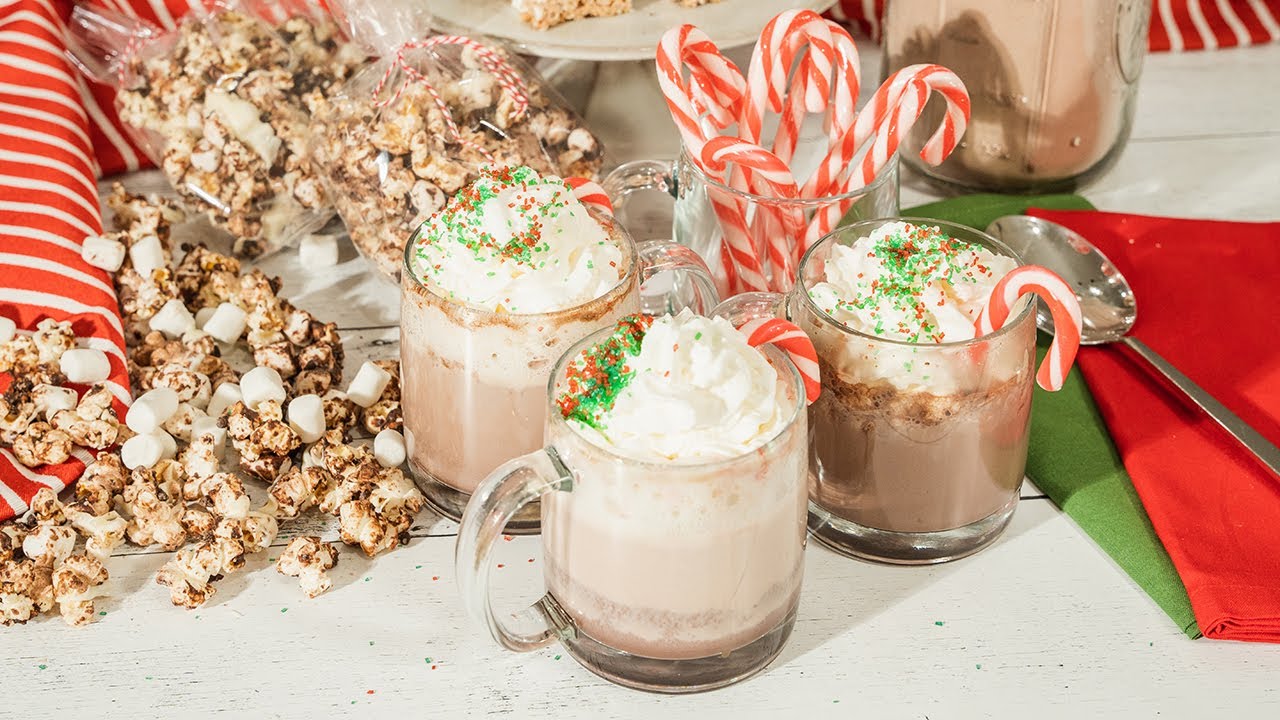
(1072, 457)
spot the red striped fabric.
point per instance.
(48, 204)
(1175, 24)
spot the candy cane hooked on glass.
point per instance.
(793, 341)
(591, 194)
(768, 171)
(1063, 305)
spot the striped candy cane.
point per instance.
(768, 171)
(793, 341)
(590, 193)
(1063, 305)
(709, 100)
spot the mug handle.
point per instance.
(745, 307)
(496, 500)
(657, 256)
(639, 176)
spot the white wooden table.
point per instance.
(1043, 624)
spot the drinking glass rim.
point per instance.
(777, 359)
(612, 225)
(880, 180)
(830, 237)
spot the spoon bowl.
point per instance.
(1108, 310)
(1107, 304)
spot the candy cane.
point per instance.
(591, 194)
(709, 100)
(793, 341)
(1063, 304)
(780, 41)
(769, 171)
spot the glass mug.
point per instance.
(473, 379)
(693, 217)
(1053, 85)
(917, 451)
(663, 577)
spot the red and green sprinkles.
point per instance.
(913, 258)
(597, 376)
(459, 225)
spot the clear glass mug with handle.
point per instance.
(660, 576)
(917, 450)
(689, 215)
(470, 375)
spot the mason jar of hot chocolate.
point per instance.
(1052, 82)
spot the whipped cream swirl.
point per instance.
(688, 390)
(909, 282)
(517, 242)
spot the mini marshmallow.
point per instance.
(85, 366)
(169, 446)
(227, 323)
(53, 398)
(388, 448)
(8, 329)
(173, 319)
(227, 394)
(318, 251)
(143, 450)
(203, 315)
(367, 386)
(306, 417)
(102, 252)
(192, 335)
(151, 410)
(146, 255)
(261, 383)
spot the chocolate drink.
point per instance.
(915, 462)
(1052, 83)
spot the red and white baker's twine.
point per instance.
(793, 341)
(591, 194)
(826, 80)
(1063, 305)
(507, 77)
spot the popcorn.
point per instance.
(295, 490)
(182, 422)
(395, 498)
(361, 526)
(153, 518)
(259, 384)
(151, 409)
(49, 399)
(173, 319)
(26, 589)
(103, 252)
(93, 422)
(147, 255)
(306, 417)
(189, 574)
(42, 444)
(368, 384)
(198, 522)
(225, 494)
(102, 533)
(85, 366)
(227, 323)
(190, 386)
(46, 509)
(317, 251)
(201, 458)
(49, 545)
(52, 339)
(102, 480)
(75, 585)
(389, 449)
(307, 558)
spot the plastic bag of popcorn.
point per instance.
(222, 105)
(416, 125)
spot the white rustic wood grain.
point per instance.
(1041, 625)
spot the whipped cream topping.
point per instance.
(684, 389)
(517, 242)
(909, 282)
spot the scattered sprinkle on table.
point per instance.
(417, 567)
(368, 692)
(435, 577)
(42, 666)
(284, 610)
(939, 623)
(557, 657)
(979, 666)
(500, 565)
(104, 612)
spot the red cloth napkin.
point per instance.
(1175, 24)
(1205, 292)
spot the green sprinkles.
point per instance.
(912, 259)
(284, 610)
(43, 667)
(939, 623)
(600, 373)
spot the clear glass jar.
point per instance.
(1053, 85)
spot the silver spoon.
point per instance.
(1109, 311)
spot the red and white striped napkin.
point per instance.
(1175, 24)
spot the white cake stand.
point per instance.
(633, 36)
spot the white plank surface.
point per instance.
(1042, 624)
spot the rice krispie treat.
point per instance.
(543, 14)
